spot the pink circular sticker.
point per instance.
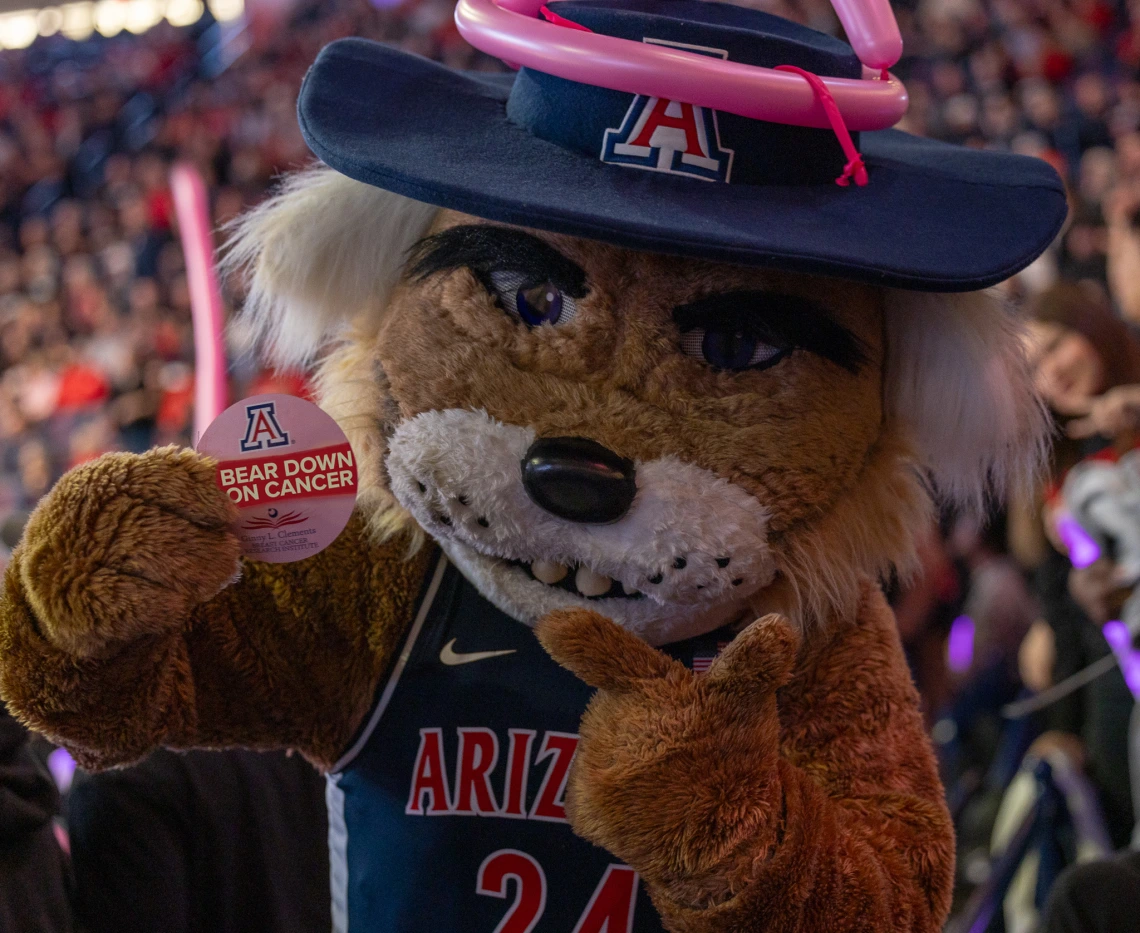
(290, 470)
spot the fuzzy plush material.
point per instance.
(323, 250)
(788, 790)
(467, 466)
(112, 646)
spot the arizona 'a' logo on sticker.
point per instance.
(262, 429)
(670, 136)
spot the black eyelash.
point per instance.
(486, 248)
(786, 321)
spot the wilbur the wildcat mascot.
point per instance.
(645, 405)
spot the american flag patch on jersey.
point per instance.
(702, 662)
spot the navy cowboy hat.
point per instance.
(543, 152)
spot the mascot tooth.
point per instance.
(644, 405)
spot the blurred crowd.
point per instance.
(96, 349)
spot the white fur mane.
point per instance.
(321, 251)
(960, 391)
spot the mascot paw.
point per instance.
(675, 772)
(126, 546)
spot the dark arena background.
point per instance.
(1027, 693)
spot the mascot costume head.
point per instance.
(665, 344)
(717, 367)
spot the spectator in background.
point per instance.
(202, 842)
(1101, 897)
(1081, 351)
(1080, 348)
(34, 877)
(1000, 609)
(1123, 242)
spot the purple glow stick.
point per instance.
(62, 768)
(960, 645)
(1120, 639)
(1083, 550)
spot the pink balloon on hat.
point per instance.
(511, 30)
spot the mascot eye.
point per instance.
(731, 349)
(535, 303)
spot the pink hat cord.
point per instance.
(551, 17)
(855, 168)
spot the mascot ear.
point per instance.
(323, 250)
(959, 390)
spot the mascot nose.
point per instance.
(578, 479)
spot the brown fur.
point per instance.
(806, 438)
(795, 436)
(776, 792)
(110, 647)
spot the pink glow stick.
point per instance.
(191, 206)
(509, 30)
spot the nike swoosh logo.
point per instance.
(450, 657)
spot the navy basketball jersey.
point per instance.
(446, 813)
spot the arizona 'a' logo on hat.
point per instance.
(670, 135)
